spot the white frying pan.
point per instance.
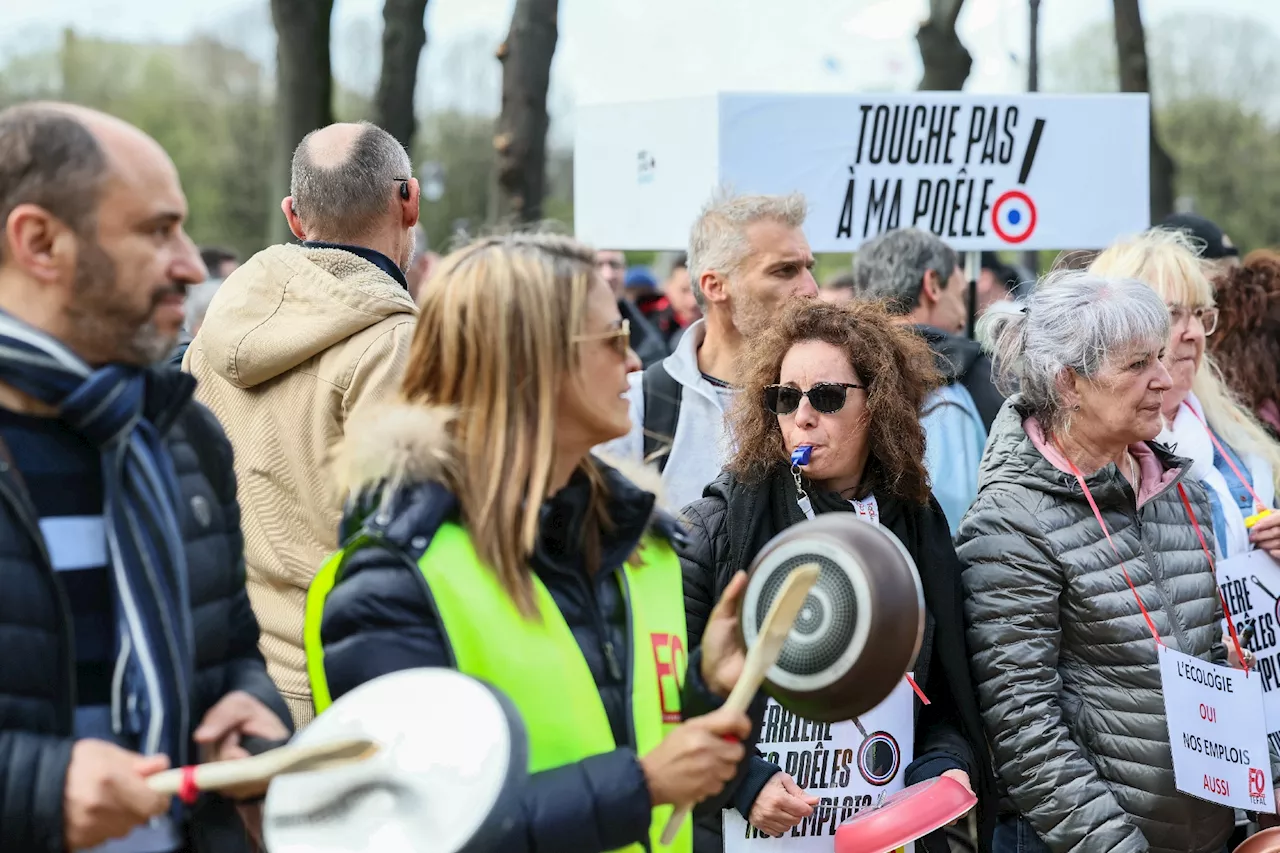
(452, 751)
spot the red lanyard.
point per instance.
(1231, 625)
(1258, 505)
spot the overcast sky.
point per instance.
(612, 50)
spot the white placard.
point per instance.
(1217, 732)
(832, 761)
(980, 171)
(1250, 585)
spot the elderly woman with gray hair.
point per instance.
(1060, 644)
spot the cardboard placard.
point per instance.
(1217, 732)
(835, 762)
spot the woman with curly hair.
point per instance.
(1247, 344)
(849, 383)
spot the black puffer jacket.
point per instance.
(379, 619)
(37, 678)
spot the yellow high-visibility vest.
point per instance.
(538, 664)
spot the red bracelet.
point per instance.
(188, 790)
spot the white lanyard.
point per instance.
(866, 508)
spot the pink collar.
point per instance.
(1154, 475)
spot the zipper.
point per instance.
(610, 653)
(32, 526)
(1157, 570)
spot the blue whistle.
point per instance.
(800, 456)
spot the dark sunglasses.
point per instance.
(826, 397)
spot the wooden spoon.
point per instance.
(259, 769)
(761, 657)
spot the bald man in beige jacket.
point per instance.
(297, 340)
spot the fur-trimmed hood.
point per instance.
(391, 444)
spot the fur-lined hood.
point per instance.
(390, 445)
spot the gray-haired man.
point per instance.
(294, 342)
(920, 278)
(747, 255)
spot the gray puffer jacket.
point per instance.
(1065, 665)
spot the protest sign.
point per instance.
(1217, 732)
(1250, 585)
(980, 171)
(835, 762)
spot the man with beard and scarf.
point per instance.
(747, 256)
(920, 280)
(295, 342)
(130, 644)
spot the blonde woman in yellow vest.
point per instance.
(482, 535)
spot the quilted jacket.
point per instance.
(1066, 668)
(37, 675)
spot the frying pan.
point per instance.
(860, 628)
(451, 754)
(907, 816)
(1266, 841)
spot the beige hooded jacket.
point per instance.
(295, 342)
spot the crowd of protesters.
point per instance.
(520, 456)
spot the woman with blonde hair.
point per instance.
(1230, 452)
(482, 535)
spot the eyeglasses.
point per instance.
(826, 397)
(1207, 316)
(619, 338)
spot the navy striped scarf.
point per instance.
(154, 647)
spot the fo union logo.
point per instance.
(669, 661)
(1257, 787)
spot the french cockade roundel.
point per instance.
(1013, 216)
